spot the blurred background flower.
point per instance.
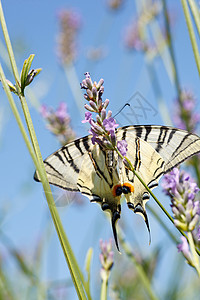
(70, 24)
(187, 114)
(58, 122)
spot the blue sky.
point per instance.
(33, 25)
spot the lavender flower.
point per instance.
(103, 128)
(185, 115)
(182, 190)
(106, 259)
(135, 33)
(58, 122)
(69, 26)
(133, 38)
(186, 210)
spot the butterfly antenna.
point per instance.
(126, 104)
(115, 217)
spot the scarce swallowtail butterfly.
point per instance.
(102, 176)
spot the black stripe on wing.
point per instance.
(170, 167)
(98, 170)
(70, 159)
(161, 140)
(148, 131)
(173, 131)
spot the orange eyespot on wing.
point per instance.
(128, 187)
(124, 188)
(117, 190)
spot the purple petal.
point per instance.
(122, 147)
(88, 117)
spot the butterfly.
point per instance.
(103, 177)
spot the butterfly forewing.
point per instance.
(64, 165)
(173, 145)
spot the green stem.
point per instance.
(140, 271)
(194, 254)
(171, 50)
(5, 288)
(196, 14)
(104, 289)
(191, 33)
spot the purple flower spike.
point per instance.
(106, 259)
(69, 25)
(182, 190)
(103, 128)
(185, 116)
(61, 112)
(58, 122)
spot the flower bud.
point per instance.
(99, 84)
(103, 114)
(107, 145)
(193, 223)
(93, 105)
(94, 92)
(99, 121)
(97, 129)
(90, 95)
(113, 139)
(109, 114)
(180, 225)
(89, 83)
(83, 84)
(181, 208)
(99, 104)
(88, 107)
(105, 104)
